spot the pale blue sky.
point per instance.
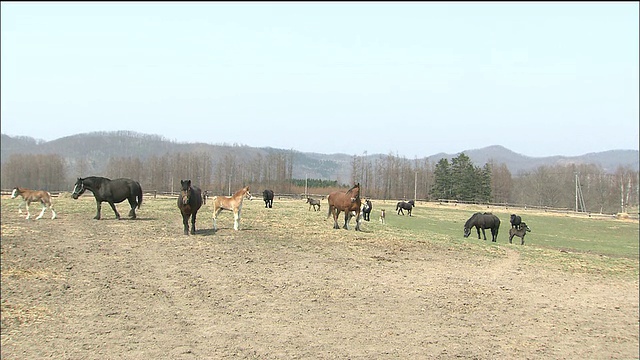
(412, 79)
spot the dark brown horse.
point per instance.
(345, 201)
(112, 191)
(189, 202)
(483, 221)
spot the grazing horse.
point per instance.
(366, 210)
(345, 201)
(232, 203)
(515, 221)
(189, 201)
(406, 206)
(521, 232)
(313, 202)
(29, 196)
(267, 195)
(111, 191)
(483, 221)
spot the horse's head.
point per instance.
(185, 191)
(524, 225)
(15, 192)
(78, 188)
(470, 223)
(355, 192)
(247, 193)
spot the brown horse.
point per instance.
(231, 203)
(345, 201)
(189, 201)
(29, 196)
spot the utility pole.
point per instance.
(579, 196)
(415, 187)
(306, 194)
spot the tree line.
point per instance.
(391, 177)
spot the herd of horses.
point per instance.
(191, 200)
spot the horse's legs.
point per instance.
(478, 230)
(133, 203)
(113, 206)
(99, 207)
(236, 219)
(347, 217)
(215, 215)
(53, 211)
(44, 207)
(26, 204)
(20, 205)
(336, 213)
(185, 222)
(193, 223)
(358, 220)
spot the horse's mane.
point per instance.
(471, 219)
(244, 189)
(356, 186)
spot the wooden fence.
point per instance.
(516, 207)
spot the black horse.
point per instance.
(366, 210)
(406, 206)
(483, 221)
(267, 195)
(111, 191)
(515, 221)
(189, 201)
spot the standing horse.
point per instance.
(406, 206)
(313, 202)
(189, 201)
(521, 232)
(111, 191)
(29, 196)
(347, 202)
(231, 203)
(366, 210)
(483, 221)
(267, 195)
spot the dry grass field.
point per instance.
(289, 286)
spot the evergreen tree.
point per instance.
(442, 188)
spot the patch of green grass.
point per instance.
(572, 243)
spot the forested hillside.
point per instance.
(608, 180)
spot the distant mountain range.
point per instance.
(98, 147)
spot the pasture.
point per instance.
(287, 285)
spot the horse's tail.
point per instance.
(139, 195)
(329, 213)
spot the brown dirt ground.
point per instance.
(288, 286)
